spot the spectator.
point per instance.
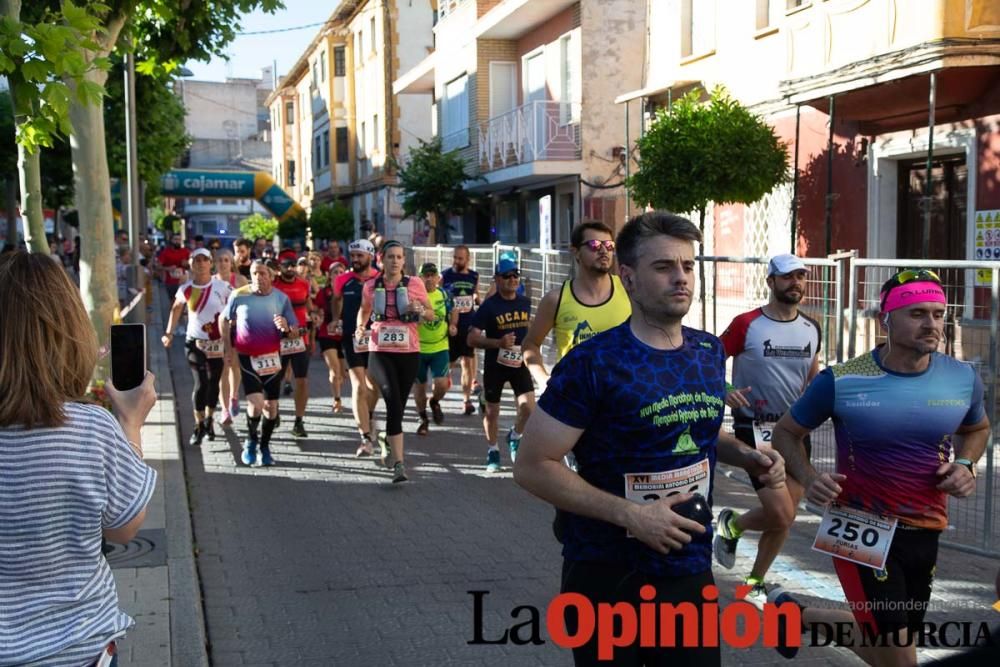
(71, 474)
(124, 261)
(333, 254)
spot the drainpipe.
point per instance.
(929, 183)
(628, 144)
(828, 217)
(795, 180)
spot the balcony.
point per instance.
(530, 133)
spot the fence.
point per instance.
(842, 296)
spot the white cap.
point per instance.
(362, 245)
(784, 264)
(201, 252)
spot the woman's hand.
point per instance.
(131, 407)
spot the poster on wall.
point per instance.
(987, 242)
(545, 222)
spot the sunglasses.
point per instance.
(594, 245)
(510, 274)
(908, 276)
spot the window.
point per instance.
(291, 172)
(375, 133)
(359, 48)
(289, 113)
(697, 27)
(317, 153)
(341, 137)
(794, 4)
(339, 63)
(325, 148)
(568, 112)
(503, 88)
(763, 14)
(455, 115)
(315, 73)
(373, 35)
(322, 67)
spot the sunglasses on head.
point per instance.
(594, 245)
(510, 274)
(908, 276)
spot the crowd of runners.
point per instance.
(628, 427)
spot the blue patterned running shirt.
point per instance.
(646, 415)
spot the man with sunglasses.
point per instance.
(910, 426)
(775, 352)
(499, 327)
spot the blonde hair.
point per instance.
(48, 348)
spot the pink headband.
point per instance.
(908, 294)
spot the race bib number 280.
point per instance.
(855, 535)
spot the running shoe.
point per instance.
(287, 391)
(249, 456)
(365, 448)
(780, 596)
(209, 427)
(757, 595)
(493, 460)
(724, 543)
(469, 408)
(383, 445)
(299, 429)
(424, 423)
(398, 472)
(197, 435)
(234, 408)
(512, 444)
(437, 411)
(265, 456)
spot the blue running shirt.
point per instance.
(642, 410)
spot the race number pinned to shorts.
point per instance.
(291, 346)
(512, 358)
(393, 337)
(855, 535)
(763, 432)
(266, 364)
(212, 348)
(464, 303)
(648, 487)
(361, 344)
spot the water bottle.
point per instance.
(379, 309)
(402, 301)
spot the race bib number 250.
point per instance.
(855, 535)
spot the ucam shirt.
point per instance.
(774, 358)
(643, 412)
(204, 304)
(498, 317)
(462, 288)
(893, 431)
(253, 315)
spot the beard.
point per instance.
(359, 267)
(786, 298)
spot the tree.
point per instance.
(256, 226)
(8, 163)
(292, 228)
(432, 185)
(331, 222)
(694, 153)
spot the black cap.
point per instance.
(428, 267)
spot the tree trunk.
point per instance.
(10, 205)
(93, 202)
(29, 171)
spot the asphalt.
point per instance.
(320, 560)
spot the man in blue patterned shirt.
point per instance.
(641, 405)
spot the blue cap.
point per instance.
(506, 265)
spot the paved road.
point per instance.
(320, 560)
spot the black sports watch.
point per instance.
(968, 464)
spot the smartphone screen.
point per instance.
(128, 355)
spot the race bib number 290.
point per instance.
(855, 535)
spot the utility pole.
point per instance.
(132, 182)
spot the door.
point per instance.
(503, 88)
(535, 95)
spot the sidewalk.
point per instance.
(155, 573)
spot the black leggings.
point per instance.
(206, 374)
(394, 373)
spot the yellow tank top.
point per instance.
(576, 322)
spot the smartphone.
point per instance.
(128, 355)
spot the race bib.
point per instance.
(335, 328)
(212, 348)
(292, 346)
(464, 304)
(512, 358)
(361, 344)
(394, 337)
(176, 273)
(266, 364)
(763, 432)
(648, 487)
(855, 535)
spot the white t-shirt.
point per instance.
(204, 303)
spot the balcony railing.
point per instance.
(535, 131)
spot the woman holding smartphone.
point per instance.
(71, 474)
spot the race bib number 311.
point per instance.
(855, 535)
(266, 364)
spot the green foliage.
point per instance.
(292, 228)
(331, 222)
(8, 147)
(433, 181)
(257, 226)
(168, 223)
(694, 153)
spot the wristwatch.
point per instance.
(968, 464)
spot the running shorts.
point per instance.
(354, 359)
(434, 364)
(496, 376)
(458, 345)
(269, 385)
(331, 344)
(744, 433)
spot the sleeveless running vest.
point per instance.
(576, 322)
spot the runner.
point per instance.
(173, 261)
(329, 334)
(499, 327)
(434, 349)
(230, 384)
(462, 283)
(264, 324)
(298, 292)
(205, 298)
(395, 303)
(775, 351)
(333, 254)
(900, 412)
(347, 292)
(641, 401)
